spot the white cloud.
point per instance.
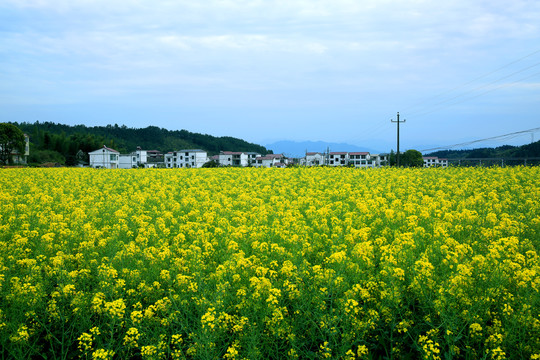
(291, 51)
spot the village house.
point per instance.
(233, 158)
(434, 161)
(127, 161)
(192, 158)
(357, 159)
(361, 159)
(338, 158)
(104, 158)
(196, 158)
(154, 158)
(271, 160)
(383, 159)
(252, 156)
(140, 158)
(314, 159)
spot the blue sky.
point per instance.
(330, 70)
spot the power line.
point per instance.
(444, 101)
(472, 81)
(482, 93)
(506, 136)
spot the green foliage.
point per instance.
(392, 158)
(412, 158)
(11, 139)
(210, 164)
(38, 157)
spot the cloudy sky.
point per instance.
(330, 70)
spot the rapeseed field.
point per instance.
(304, 263)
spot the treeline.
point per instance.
(507, 151)
(67, 145)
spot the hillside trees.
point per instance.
(51, 142)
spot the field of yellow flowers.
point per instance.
(303, 263)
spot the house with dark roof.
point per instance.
(190, 158)
(104, 158)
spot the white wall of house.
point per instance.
(433, 161)
(127, 161)
(104, 157)
(252, 156)
(338, 159)
(194, 158)
(265, 161)
(141, 155)
(382, 159)
(280, 158)
(314, 159)
(233, 158)
(362, 159)
(357, 159)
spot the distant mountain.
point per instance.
(298, 149)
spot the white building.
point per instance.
(382, 159)
(265, 161)
(141, 156)
(362, 159)
(105, 157)
(314, 159)
(271, 160)
(252, 156)
(233, 158)
(127, 161)
(338, 158)
(151, 158)
(192, 158)
(434, 161)
(357, 159)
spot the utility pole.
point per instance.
(397, 155)
(328, 155)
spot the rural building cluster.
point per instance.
(196, 158)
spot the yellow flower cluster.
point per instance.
(270, 263)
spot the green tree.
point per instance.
(210, 164)
(392, 158)
(412, 158)
(11, 139)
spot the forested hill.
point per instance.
(51, 142)
(506, 151)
